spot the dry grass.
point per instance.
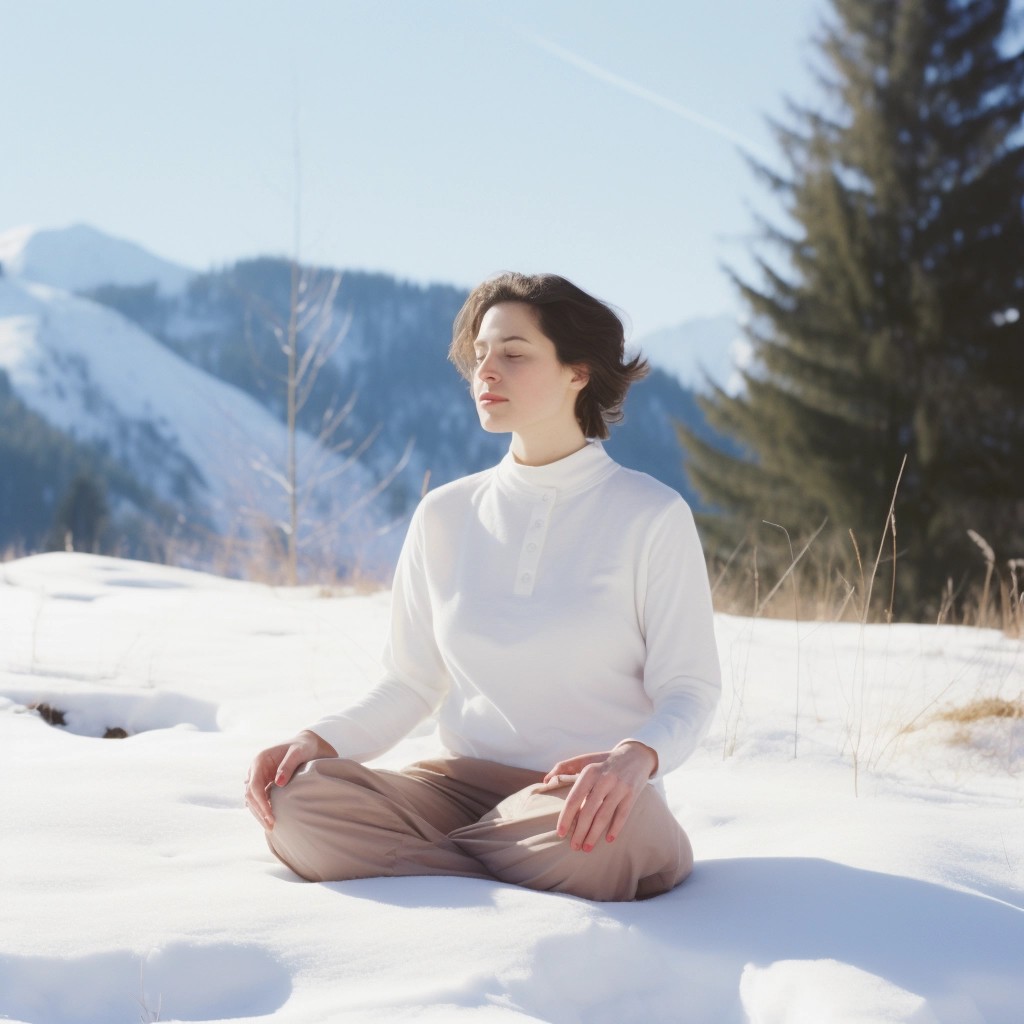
(817, 588)
(11, 552)
(982, 708)
(814, 582)
(990, 727)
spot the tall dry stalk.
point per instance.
(990, 568)
(796, 614)
(855, 719)
(1015, 598)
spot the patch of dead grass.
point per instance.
(982, 708)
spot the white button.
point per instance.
(531, 547)
(538, 523)
(546, 498)
(525, 577)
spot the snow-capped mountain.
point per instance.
(699, 349)
(79, 258)
(200, 445)
(181, 391)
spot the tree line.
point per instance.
(885, 401)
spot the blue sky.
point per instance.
(440, 142)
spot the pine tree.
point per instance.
(893, 326)
(81, 516)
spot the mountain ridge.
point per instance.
(79, 257)
(408, 416)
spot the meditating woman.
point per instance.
(553, 613)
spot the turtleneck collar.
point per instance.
(575, 472)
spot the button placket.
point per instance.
(533, 543)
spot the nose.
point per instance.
(486, 369)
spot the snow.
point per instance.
(135, 886)
(100, 378)
(78, 258)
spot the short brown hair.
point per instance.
(584, 330)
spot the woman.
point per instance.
(553, 612)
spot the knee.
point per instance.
(315, 791)
(301, 809)
(285, 799)
(651, 854)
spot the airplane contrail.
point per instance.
(595, 71)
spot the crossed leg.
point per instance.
(461, 816)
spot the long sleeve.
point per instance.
(543, 612)
(414, 680)
(682, 676)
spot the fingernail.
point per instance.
(575, 846)
(611, 839)
(587, 847)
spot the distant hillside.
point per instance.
(170, 390)
(40, 464)
(191, 455)
(392, 364)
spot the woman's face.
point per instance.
(519, 385)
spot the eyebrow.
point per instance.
(511, 337)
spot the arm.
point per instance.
(414, 683)
(681, 676)
(415, 679)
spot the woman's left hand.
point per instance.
(606, 788)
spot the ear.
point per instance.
(580, 376)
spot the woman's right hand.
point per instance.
(275, 766)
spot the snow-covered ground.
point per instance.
(135, 887)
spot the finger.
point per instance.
(286, 769)
(573, 802)
(592, 794)
(585, 820)
(256, 797)
(562, 768)
(622, 812)
(574, 765)
(555, 782)
(606, 813)
(259, 804)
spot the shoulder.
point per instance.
(642, 493)
(452, 499)
(457, 491)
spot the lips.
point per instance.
(489, 398)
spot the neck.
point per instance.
(542, 451)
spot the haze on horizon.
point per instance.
(579, 138)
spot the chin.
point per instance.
(493, 428)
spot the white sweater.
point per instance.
(545, 612)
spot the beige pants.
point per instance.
(339, 820)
